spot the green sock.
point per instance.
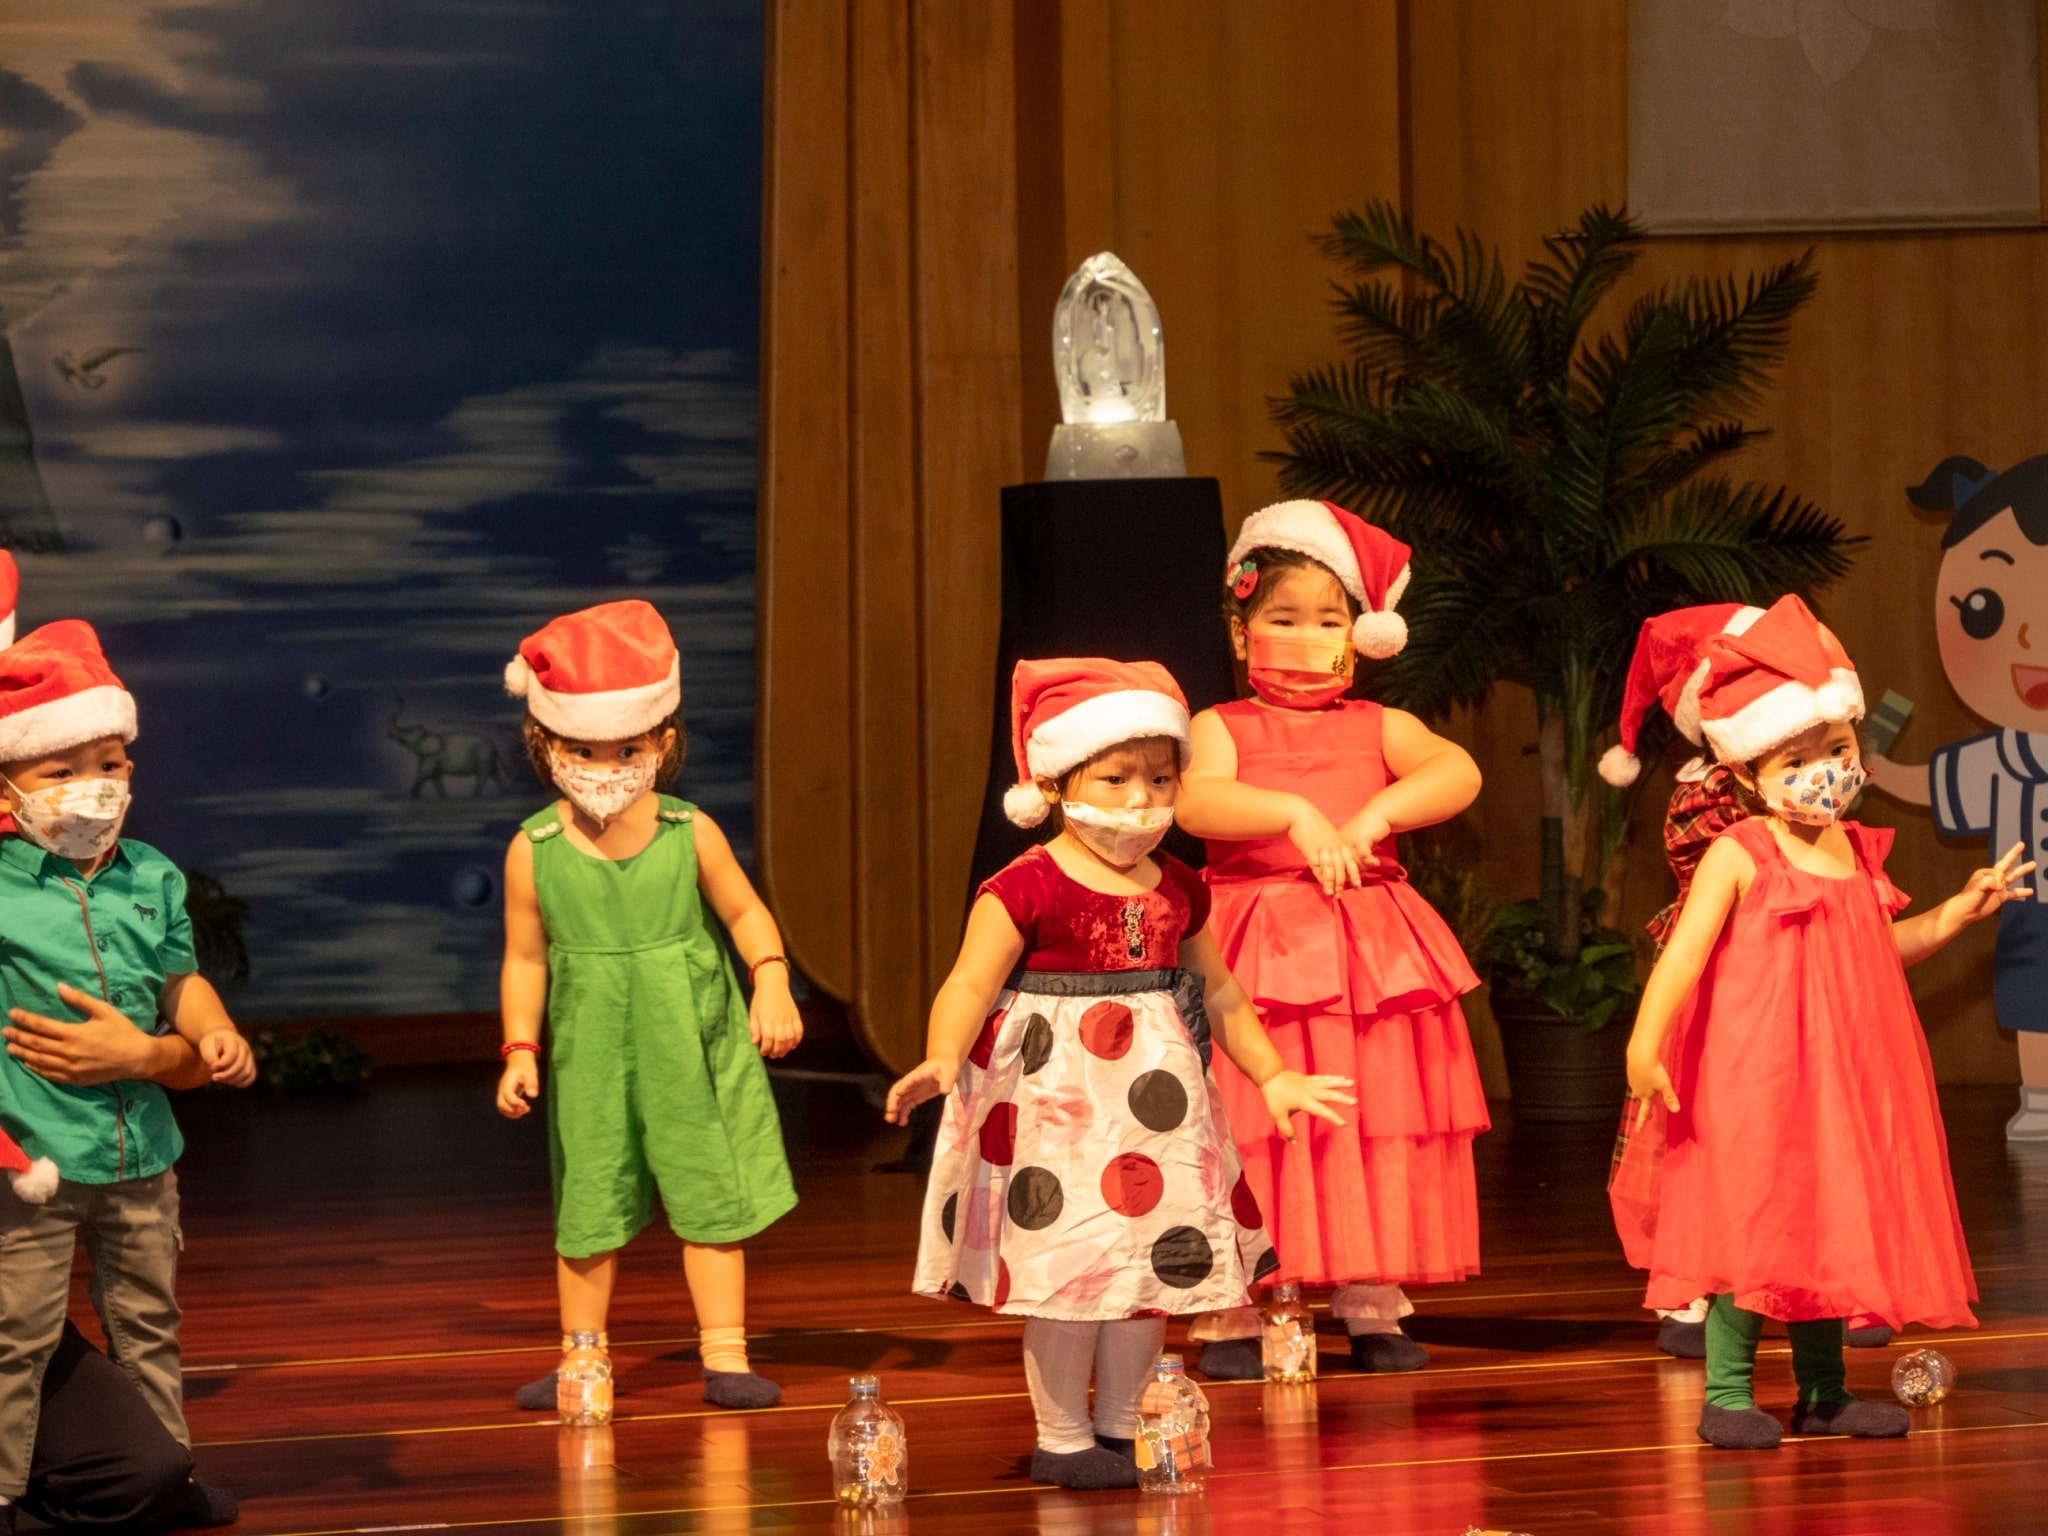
(1731, 1353)
(1817, 1361)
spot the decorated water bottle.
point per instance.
(583, 1382)
(870, 1458)
(1923, 1378)
(1287, 1341)
(1173, 1431)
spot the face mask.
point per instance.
(1302, 673)
(602, 790)
(1118, 837)
(1816, 794)
(78, 819)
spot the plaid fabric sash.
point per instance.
(1699, 813)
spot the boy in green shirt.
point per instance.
(91, 924)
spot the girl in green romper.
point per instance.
(654, 1054)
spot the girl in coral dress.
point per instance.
(1084, 1177)
(1789, 1159)
(1299, 792)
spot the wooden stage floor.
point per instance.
(366, 1281)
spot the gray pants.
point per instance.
(132, 1238)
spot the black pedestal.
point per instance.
(1127, 569)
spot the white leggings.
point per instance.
(1057, 1360)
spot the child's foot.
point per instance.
(1118, 1444)
(1851, 1416)
(740, 1389)
(1686, 1341)
(1386, 1352)
(1740, 1429)
(1232, 1360)
(537, 1396)
(206, 1506)
(1876, 1336)
(1093, 1468)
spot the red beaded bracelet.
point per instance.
(519, 1045)
(764, 960)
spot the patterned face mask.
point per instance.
(1298, 672)
(1118, 837)
(79, 819)
(1816, 794)
(602, 790)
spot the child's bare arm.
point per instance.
(522, 982)
(201, 1019)
(1432, 780)
(988, 954)
(1234, 1026)
(772, 1017)
(1212, 803)
(1723, 875)
(1982, 894)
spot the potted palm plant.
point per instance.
(1559, 484)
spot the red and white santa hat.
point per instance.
(1063, 712)
(34, 1178)
(57, 692)
(1368, 562)
(1779, 677)
(1667, 669)
(10, 592)
(600, 674)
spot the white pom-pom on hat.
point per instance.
(1619, 766)
(36, 1183)
(1379, 635)
(1024, 805)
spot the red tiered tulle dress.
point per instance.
(1805, 1173)
(1364, 984)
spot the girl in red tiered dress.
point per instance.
(1298, 792)
(1084, 1177)
(1789, 1159)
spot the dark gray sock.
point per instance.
(1386, 1352)
(1685, 1341)
(537, 1396)
(1851, 1416)
(1740, 1429)
(1232, 1360)
(1091, 1469)
(740, 1389)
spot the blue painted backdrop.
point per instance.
(355, 338)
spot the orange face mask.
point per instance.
(1299, 673)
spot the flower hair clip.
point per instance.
(1246, 580)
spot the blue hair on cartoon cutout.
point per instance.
(1974, 495)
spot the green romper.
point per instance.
(653, 1080)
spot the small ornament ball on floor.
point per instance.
(1787, 1158)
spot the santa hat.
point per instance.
(1666, 669)
(10, 591)
(57, 692)
(601, 674)
(1368, 562)
(34, 1179)
(1064, 712)
(1781, 676)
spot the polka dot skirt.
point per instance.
(1085, 1171)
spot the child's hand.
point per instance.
(1364, 832)
(228, 1057)
(518, 1085)
(1329, 856)
(930, 1079)
(772, 1018)
(1287, 1092)
(1647, 1083)
(1989, 889)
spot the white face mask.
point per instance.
(602, 790)
(78, 819)
(1816, 794)
(1119, 837)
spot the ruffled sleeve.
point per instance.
(1021, 887)
(1873, 846)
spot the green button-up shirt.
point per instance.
(120, 935)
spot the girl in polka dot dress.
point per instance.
(1085, 1178)
(1299, 792)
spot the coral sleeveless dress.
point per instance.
(1805, 1174)
(1364, 984)
(1084, 1169)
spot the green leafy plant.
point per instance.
(1455, 887)
(313, 1061)
(1596, 986)
(1558, 486)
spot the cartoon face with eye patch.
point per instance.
(1991, 621)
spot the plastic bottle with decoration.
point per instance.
(870, 1456)
(583, 1382)
(1173, 1431)
(1287, 1340)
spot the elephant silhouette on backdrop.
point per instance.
(440, 755)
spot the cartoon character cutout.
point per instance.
(1991, 621)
